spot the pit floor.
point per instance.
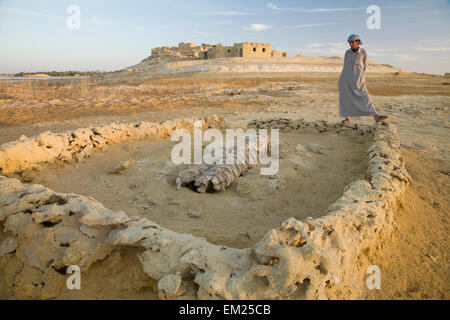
(306, 184)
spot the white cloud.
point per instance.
(301, 9)
(305, 25)
(332, 9)
(273, 6)
(338, 49)
(400, 55)
(405, 57)
(228, 13)
(330, 45)
(224, 22)
(432, 49)
(31, 13)
(205, 33)
(315, 45)
(327, 49)
(257, 27)
(97, 20)
(155, 27)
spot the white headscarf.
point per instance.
(353, 37)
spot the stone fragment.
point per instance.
(316, 148)
(16, 223)
(7, 246)
(121, 167)
(95, 214)
(194, 213)
(169, 286)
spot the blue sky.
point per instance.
(114, 34)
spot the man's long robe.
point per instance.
(354, 99)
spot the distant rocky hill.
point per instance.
(173, 65)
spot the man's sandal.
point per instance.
(345, 121)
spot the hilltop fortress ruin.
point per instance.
(208, 51)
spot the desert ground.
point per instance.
(413, 259)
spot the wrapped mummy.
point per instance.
(219, 176)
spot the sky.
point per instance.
(39, 35)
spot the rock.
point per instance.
(37, 247)
(244, 186)
(255, 186)
(316, 148)
(53, 213)
(95, 213)
(194, 213)
(16, 223)
(151, 202)
(133, 186)
(286, 150)
(55, 283)
(122, 166)
(7, 246)
(169, 286)
(245, 234)
(302, 162)
(95, 232)
(54, 102)
(300, 149)
(29, 175)
(65, 234)
(28, 283)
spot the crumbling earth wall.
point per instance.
(298, 259)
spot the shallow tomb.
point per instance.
(138, 177)
(103, 194)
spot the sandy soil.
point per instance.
(414, 260)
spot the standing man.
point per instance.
(354, 99)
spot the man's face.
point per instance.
(353, 44)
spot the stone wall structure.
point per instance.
(298, 259)
(207, 51)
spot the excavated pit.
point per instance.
(314, 170)
(350, 179)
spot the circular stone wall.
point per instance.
(298, 258)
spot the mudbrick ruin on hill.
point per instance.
(208, 51)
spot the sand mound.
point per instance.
(255, 65)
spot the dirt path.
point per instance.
(414, 262)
